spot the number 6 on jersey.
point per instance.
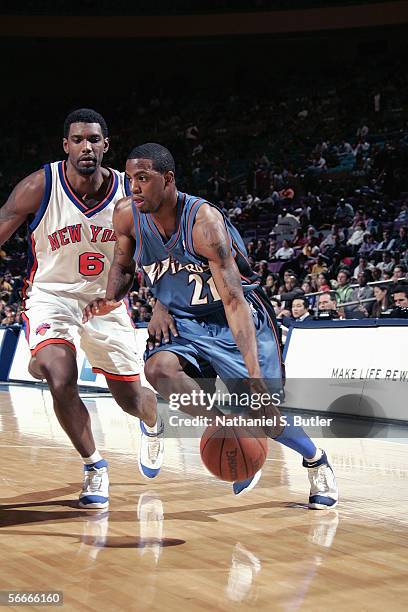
(91, 264)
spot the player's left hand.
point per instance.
(99, 308)
(160, 326)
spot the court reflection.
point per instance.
(252, 567)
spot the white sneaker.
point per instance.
(240, 487)
(95, 490)
(151, 450)
(323, 487)
(151, 520)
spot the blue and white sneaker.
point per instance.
(243, 486)
(151, 450)
(95, 490)
(324, 493)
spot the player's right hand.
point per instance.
(160, 326)
(99, 308)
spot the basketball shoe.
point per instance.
(95, 490)
(151, 450)
(323, 487)
(243, 486)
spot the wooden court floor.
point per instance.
(183, 542)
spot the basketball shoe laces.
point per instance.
(323, 478)
(93, 480)
(153, 448)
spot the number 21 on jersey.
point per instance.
(198, 297)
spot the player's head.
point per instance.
(150, 169)
(85, 140)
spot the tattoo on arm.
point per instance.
(120, 275)
(119, 282)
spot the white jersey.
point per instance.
(71, 246)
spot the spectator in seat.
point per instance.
(299, 312)
(327, 302)
(386, 265)
(363, 264)
(362, 292)
(286, 226)
(262, 270)
(10, 316)
(320, 265)
(400, 295)
(368, 247)
(270, 286)
(290, 290)
(343, 291)
(357, 236)
(285, 253)
(401, 243)
(323, 282)
(261, 251)
(344, 213)
(382, 300)
(272, 248)
(399, 272)
(387, 243)
(335, 237)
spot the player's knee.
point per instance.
(156, 369)
(62, 389)
(130, 403)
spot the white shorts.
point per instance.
(109, 342)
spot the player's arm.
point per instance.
(25, 199)
(211, 240)
(122, 268)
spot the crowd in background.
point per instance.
(313, 177)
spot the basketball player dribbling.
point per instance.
(195, 262)
(69, 206)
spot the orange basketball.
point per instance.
(233, 453)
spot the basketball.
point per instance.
(233, 453)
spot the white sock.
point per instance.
(152, 430)
(96, 456)
(317, 456)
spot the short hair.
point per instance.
(401, 266)
(85, 115)
(346, 272)
(160, 156)
(303, 299)
(400, 289)
(331, 294)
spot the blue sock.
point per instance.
(294, 437)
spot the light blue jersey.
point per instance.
(174, 272)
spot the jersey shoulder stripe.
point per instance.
(45, 199)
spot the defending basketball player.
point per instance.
(69, 206)
(195, 262)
